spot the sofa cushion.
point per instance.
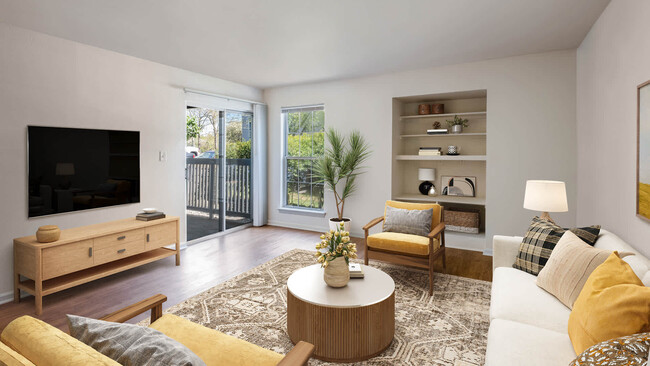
(608, 240)
(624, 351)
(541, 238)
(416, 222)
(130, 344)
(45, 345)
(214, 347)
(10, 357)
(516, 297)
(613, 303)
(403, 243)
(569, 266)
(513, 343)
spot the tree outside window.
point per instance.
(305, 142)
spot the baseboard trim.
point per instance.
(8, 296)
(487, 252)
(318, 229)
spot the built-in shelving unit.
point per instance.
(409, 134)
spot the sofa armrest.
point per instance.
(299, 355)
(154, 303)
(505, 250)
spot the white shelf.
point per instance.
(447, 199)
(443, 157)
(447, 135)
(466, 114)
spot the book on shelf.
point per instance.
(430, 151)
(150, 216)
(437, 131)
(355, 270)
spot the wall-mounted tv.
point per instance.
(73, 169)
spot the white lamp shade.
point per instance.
(64, 169)
(426, 174)
(546, 196)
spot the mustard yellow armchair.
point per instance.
(27, 341)
(407, 249)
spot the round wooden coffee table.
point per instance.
(347, 324)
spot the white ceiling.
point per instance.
(268, 43)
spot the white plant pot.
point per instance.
(336, 225)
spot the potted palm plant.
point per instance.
(339, 167)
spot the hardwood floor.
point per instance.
(203, 266)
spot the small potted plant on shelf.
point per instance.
(456, 125)
(336, 259)
(339, 167)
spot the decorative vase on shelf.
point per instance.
(337, 273)
(457, 129)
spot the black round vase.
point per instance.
(425, 187)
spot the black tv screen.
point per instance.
(73, 169)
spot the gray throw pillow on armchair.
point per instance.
(416, 222)
(130, 344)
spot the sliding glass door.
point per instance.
(218, 170)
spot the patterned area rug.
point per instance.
(448, 328)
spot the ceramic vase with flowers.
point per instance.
(337, 256)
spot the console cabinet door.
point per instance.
(67, 258)
(160, 235)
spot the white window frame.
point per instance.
(285, 208)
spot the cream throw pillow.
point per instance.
(570, 264)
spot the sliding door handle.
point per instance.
(90, 251)
(147, 238)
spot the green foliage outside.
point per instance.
(305, 139)
(238, 150)
(193, 128)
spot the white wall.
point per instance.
(54, 82)
(531, 132)
(612, 60)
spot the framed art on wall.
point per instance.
(459, 186)
(643, 151)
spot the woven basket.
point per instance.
(464, 221)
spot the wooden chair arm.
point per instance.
(299, 355)
(154, 303)
(373, 223)
(436, 230)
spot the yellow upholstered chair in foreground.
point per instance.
(408, 249)
(27, 341)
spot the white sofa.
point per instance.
(529, 326)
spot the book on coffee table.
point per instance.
(355, 270)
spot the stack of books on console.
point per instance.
(143, 216)
(430, 151)
(437, 131)
(355, 270)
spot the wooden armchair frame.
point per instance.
(299, 355)
(414, 260)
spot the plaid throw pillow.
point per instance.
(540, 239)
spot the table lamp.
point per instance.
(65, 170)
(427, 175)
(546, 196)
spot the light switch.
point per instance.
(162, 156)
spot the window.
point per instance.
(304, 132)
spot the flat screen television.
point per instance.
(72, 169)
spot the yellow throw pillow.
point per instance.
(613, 303)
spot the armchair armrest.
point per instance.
(373, 223)
(154, 303)
(299, 355)
(505, 250)
(436, 230)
